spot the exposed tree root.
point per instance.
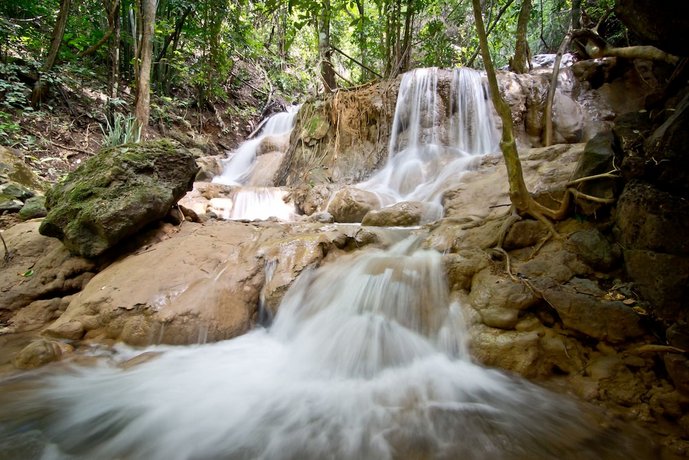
(7, 252)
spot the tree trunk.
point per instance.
(58, 33)
(114, 54)
(361, 36)
(521, 199)
(406, 44)
(143, 87)
(324, 52)
(520, 62)
(40, 89)
(548, 111)
(576, 14)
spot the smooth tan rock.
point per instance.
(461, 267)
(40, 272)
(39, 353)
(404, 214)
(498, 299)
(350, 204)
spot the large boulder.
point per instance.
(199, 283)
(116, 193)
(404, 214)
(666, 159)
(18, 183)
(14, 170)
(581, 307)
(350, 204)
(662, 23)
(598, 158)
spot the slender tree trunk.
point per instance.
(362, 38)
(520, 62)
(58, 33)
(519, 194)
(114, 54)
(41, 88)
(576, 14)
(143, 87)
(406, 43)
(324, 51)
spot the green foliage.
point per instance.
(8, 128)
(122, 130)
(13, 93)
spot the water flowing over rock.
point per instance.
(351, 341)
(252, 170)
(273, 137)
(214, 297)
(434, 140)
(366, 359)
(116, 193)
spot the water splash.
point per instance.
(434, 141)
(365, 360)
(261, 203)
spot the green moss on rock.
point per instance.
(116, 193)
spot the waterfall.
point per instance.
(251, 203)
(365, 360)
(434, 141)
(238, 167)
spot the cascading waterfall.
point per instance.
(256, 202)
(365, 360)
(433, 140)
(238, 167)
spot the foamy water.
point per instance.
(365, 360)
(237, 168)
(250, 203)
(434, 142)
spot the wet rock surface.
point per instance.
(560, 311)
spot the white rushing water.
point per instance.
(365, 360)
(249, 203)
(240, 164)
(434, 141)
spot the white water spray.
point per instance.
(365, 360)
(434, 141)
(238, 167)
(249, 203)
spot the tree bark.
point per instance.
(143, 89)
(324, 51)
(521, 199)
(519, 194)
(114, 53)
(58, 33)
(520, 62)
(41, 88)
(548, 111)
(576, 14)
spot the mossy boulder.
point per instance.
(116, 193)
